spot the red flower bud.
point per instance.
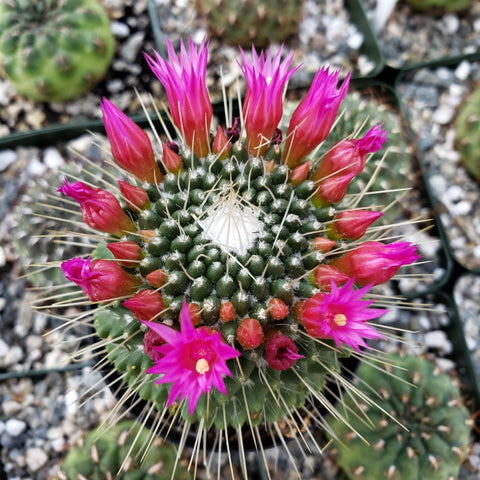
(281, 352)
(300, 173)
(135, 197)
(221, 146)
(172, 160)
(100, 209)
(250, 334)
(101, 280)
(156, 278)
(352, 224)
(227, 312)
(323, 244)
(323, 275)
(151, 341)
(146, 305)
(131, 147)
(194, 312)
(277, 308)
(332, 190)
(374, 262)
(127, 254)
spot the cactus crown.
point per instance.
(417, 428)
(54, 50)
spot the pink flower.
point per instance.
(352, 224)
(281, 352)
(130, 145)
(262, 107)
(312, 120)
(183, 78)
(100, 209)
(194, 360)
(101, 280)
(341, 316)
(349, 156)
(146, 304)
(374, 262)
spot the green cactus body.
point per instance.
(54, 50)
(246, 21)
(417, 427)
(101, 455)
(440, 7)
(467, 138)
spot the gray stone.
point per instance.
(15, 427)
(35, 458)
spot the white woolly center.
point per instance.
(231, 224)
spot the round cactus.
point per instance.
(246, 21)
(54, 50)
(101, 456)
(440, 7)
(467, 138)
(234, 264)
(414, 425)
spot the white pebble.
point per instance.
(451, 23)
(132, 46)
(455, 193)
(461, 208)
(35, 458)
(15, 427)
(52, 158)
(355, 40)
(3, 260)
(438, 339)
(463, 70)
(120, 29)
(443, 114)
(7, 157)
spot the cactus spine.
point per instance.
(418, 429)
(54, 50)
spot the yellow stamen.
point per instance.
(202, 366)
(268, 80)
(340, 319)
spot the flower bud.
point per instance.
(131, 147)
(100, 209)
(101, 280)
(151, 343)
(146, 305)
(323, 275)
(250, 334)
(136, 197)
(374, 262)
(156, 278)
(277, 308)
(332, 190)
(281, 352)
(352, 224)
(299, 174)
(221, 146)
(127, 254)
(323, 244)
(172, 160)
(227, 312)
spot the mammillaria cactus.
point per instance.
(234, 274)
(414, 425)
(440, 6)
(246, 21)
(101, 458)
(54, 50)
(467, 138)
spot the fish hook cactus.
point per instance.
(234, 276)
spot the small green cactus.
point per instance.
(101, 458)
(54, 50)
(246, 21)
(467, 138)
(439, 7)
(418, 429)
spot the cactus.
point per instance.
(54, 50)
(440, 7)
(417, 427)
(228, 298)
(247, 21)
(101, 456)
(467, 138)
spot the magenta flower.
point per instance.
(100, 280)
(183, 78)
(374, 262)
(194, 360)
(262, 107)
(341, 316)
(281, 352)
(130, 145)
(349, 156)
(312, 120)
(100, 209)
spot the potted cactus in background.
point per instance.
(54, 50)
(232, 272)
